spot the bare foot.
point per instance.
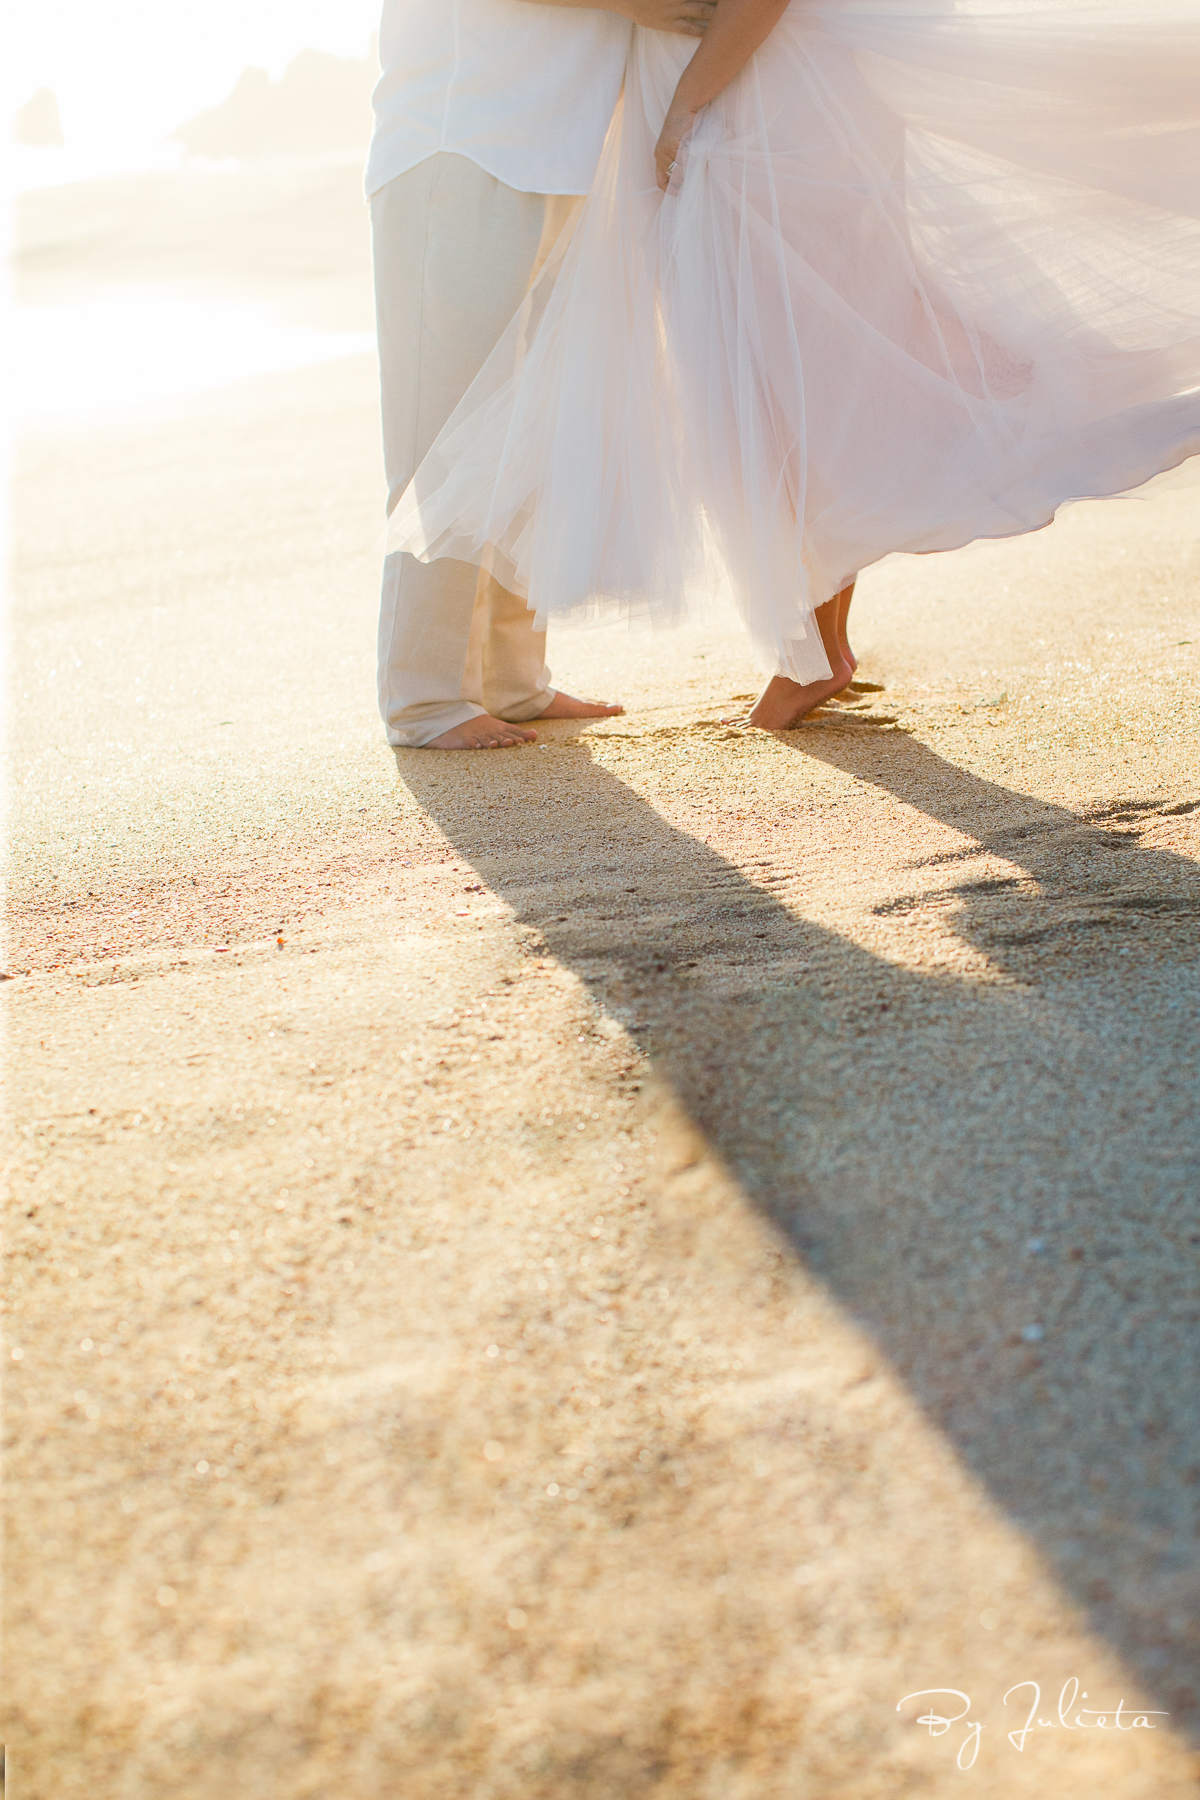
(840, 609)
(784, 703)
(847, 655)
(483, 733)
(565, 706)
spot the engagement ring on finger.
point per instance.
(671, 167)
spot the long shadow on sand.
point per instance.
(999, 1179)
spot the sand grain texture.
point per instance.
(590, 1271)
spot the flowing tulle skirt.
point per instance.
(924, 273)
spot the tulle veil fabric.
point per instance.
(925, 272)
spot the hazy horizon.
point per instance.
(122, 92)
(255, 256)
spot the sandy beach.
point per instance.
(596, 1270)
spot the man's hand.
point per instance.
(690, 17)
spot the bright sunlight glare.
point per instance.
(128, 73)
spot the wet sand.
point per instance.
(593, 1270)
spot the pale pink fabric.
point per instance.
(925, 273)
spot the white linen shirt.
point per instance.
(525, 91)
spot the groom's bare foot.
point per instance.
(783, 703)
(565, 706)
(483, 733)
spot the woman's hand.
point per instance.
(691, 18)
(676, 126)
(739, 28)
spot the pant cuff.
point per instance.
(419, 732)
(527, 709)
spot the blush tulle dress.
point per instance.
(924, 273)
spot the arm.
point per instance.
(690, 17)
(737, 31)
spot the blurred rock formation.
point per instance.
(322, 103)
(38, 123)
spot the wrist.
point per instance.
(681, 110)
(687, 99)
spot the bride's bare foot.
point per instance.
(483, 733)
(783, 703)
(845, 681)
(565, 706)
(841, 605)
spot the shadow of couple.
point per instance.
(996, 1174)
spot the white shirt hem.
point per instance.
(377, 178)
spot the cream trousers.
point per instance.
(455, 251)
